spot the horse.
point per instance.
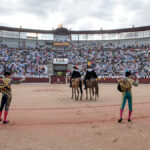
(92, 84)
(76, 84)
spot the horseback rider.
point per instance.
(90, 73)
(75, 74)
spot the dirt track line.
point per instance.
(73, 122)
(70, 108)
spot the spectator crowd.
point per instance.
(106, 62)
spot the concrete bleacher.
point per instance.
(33, 43)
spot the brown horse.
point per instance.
(76, 84)
(92, 84)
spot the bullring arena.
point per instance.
(44, 117)
(42, 114)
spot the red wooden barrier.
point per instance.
(62, 80)
(58, 80)
(114, 80)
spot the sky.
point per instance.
(74, 14)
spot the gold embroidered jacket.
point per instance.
(126, 84)
(5, 86)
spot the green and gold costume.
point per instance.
(126, 85)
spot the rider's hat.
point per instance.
(74, 67)
(89, 65)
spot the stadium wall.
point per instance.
(103, 80)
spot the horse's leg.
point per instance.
(95, 93)
(86, 93)
(90, 93)
(77, 93)
(72, 93)
(80, 86)
(81, 94)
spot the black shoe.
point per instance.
(120, 120)
(5, 122)
(129, 120)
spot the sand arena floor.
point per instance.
(44, 117)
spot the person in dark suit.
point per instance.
(90, 73)
(75, 74)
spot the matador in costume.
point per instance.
(126, 85)
(5, 89)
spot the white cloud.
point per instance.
(74, 14)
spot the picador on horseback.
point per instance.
(75, 74)
(90, 73)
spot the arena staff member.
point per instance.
(5, 89)
(126, 85)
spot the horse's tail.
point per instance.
(97, 90)
(80, 85)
